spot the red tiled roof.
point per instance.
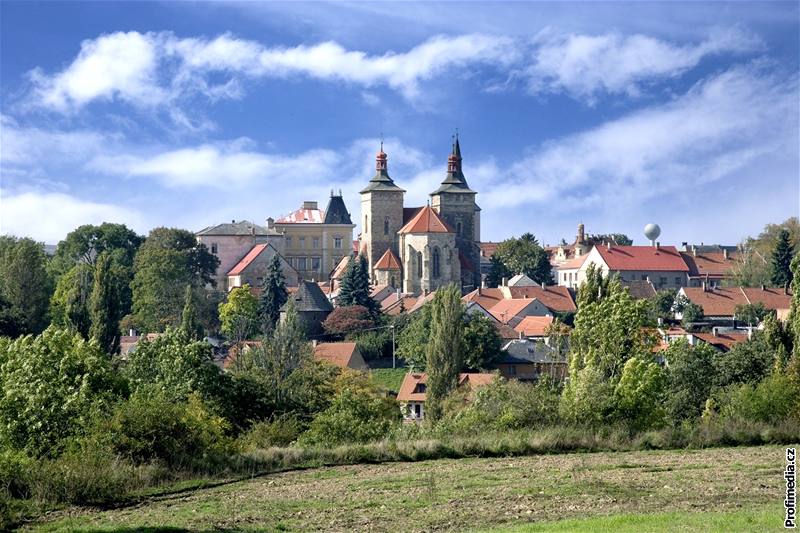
(412, 379)
(771, 298)
(238, 348)
(392, 305)
(426, 221)
(487, 298)
(488, 248)
(716, 301)
(336, 353)
(507, 310)
(421, 301)
(247, 259)
(341, 266)
(553, 297)
(534, 326)
(662, 258)
(388, 261)
(711, 264)
(574, 263)
(303, 216)
(722, 341)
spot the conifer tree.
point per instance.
(103, 306)
(189, 323)
(355, 288)
(273, 296)
(781, 275)
(444, 349)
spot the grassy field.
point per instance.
(722, 489)
(389, 378)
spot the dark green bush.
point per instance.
(282, 431)
(352, 418)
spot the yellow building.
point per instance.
(316, 240)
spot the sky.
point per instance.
(189, 114)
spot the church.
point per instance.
(419, 249)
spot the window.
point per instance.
(644, 277)
(458, 229)
(288, 242)
(417, 410)
(386, 226)
(301, 263)
(436, 265)
(678, 282)
(366, 223)
(302, 242)
(419, 264)
(213, 248)
(337, 243)
(315, 242)
(662, 282)
(391, 282)
(315, 264)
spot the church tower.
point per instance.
(381, 214)
(455, 202)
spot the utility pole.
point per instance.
(393, 346)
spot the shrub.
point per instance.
(282, 431)
(772, 400)
(150, 426)
(348, 319)
(352, 418)
(51, 384)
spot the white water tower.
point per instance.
(652, 231)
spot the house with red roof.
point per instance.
(253, 267)
(341, 354)
(512, 311)
(413, 391)
(720, 303)
(663, 266)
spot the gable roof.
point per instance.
(336, 213)
(412, 379)
(487, 298)
(522, 351)
(506, 310)
(395, 304)
(337, 353)
(388, 261)
(715, 265)
(654, 258)
(309, 297)
(488, 248)
(427, 220)
(534, 326)
(251, 256)
(771, 298)
(572, 264)
(243, 227)
(640, 289)
(421, 301)
(722, 341)
(553, 297)
(715, 301)
(521, 280)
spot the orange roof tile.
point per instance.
(722, 341)
(426, 221)
(771, 298)
(488, 248)
(716, 301)
(534, 326)
(662, 258)
(574, 263)
(247, 259)
(507, 310)
(388, 261)
(487, 298)
(409, 390)
(712, 264)
(553, 297)
(335, 353)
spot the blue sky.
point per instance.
(189, 114)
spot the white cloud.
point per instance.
(587, 65)
(718, 127)
(48, 217)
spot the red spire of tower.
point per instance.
(380, 160)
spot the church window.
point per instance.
(419, 264)
(458, 228)
(436, 264)
(392, 282)
(386, 226)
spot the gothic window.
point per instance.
(458, 229)
(392, 282)
(436, 264)
(419, 264)
(386, 226)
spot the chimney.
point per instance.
(480, 289)
(694, 251)
(543, 284)
(132, 332)
(763, 287)
(270, 222)
(725, 253)
(520, 336)
(314, 343)
(608, 245)
(705, 287)
(503, 282)
(714, 331)
(658, 245)
(483, 283)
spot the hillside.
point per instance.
(741, 487)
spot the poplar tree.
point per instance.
(189, 323)
(781, 271)
(273, 296)
(103, 306)
(445, 348)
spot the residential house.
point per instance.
(414, 388)
(511, 311)
(317, 240)
(555, 299)
(640, 289)
(341, 354)
(710, 265)
(722, 340)
(231, 242)
(719, 303)
(528, 360)
(253, 268)
(534, 327)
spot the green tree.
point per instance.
(50, 386)
(753, 267)
(239, 315)
(175, 365)
(777, 337)
(273, 296)
(10, 323)
(594, 288)
(168, 260)
(691, 313)
(520, 256)
(24, 281)
(751, 314)
(498, 271)
(445, 356)
(355, 288)
(615, 239)
(662, 305)
(413, 339)
(189, 322)
(746, 362)
(103, 309)
(793, 323)
(84, 245)
(640, 393)
(781, 264)
(691, 377)
(69, 305)
(482, 342)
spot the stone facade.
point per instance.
(419, 258)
